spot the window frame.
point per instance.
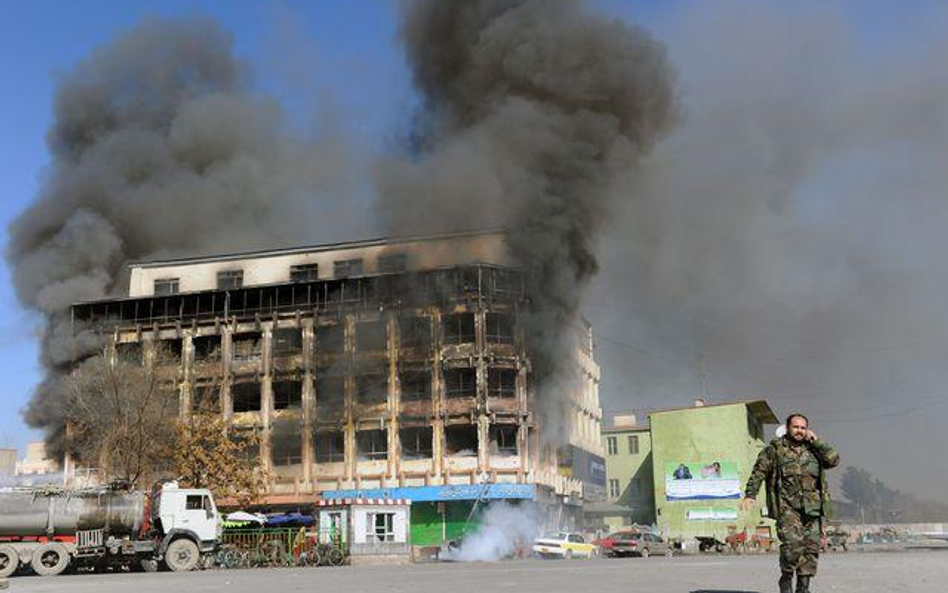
(461, 390)
(614, 488)
(174, 283)
(304, 273)
(612, 445)
(347, 268)
(235, 275)
(384, 533)
(633, 439)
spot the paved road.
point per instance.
(917, 571)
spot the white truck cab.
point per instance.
(189, 510)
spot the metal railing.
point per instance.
(262, 547)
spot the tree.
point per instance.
(858, 487)
(208, 453)
(120, 412)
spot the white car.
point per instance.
(564, 545)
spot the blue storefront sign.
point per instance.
(442, 493)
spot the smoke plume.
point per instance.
(786, 239)
(530, 109)
(503, 530)
(160, 147)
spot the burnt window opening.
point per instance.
(416, 442)
(371, 335)
(205, 398)
(415, 332)
(167, 286)
(287, 340)
(245, 397)
(330, 388)
(372, 444)
(129, 352)
(304, 273)
(460, 382)
(469, 279)
(393, 263)
(230, 279)
(206, 347)
(500, 328)
(329, 446)
(331, 338)
(506, 281)
(458, 328)
(346, 268)
(502, 382)
(461, 440)
(372, 388)
(415, 385)
(247, 346)
(285, 445)
(503, 440)
(169, 350)
(287, 394)
(248, 442)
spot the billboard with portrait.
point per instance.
(702, 480)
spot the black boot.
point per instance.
(803, 584)
(786, 582)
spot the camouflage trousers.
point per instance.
(799, 536)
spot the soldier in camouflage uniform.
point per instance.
(792, 468)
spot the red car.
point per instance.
(608, 543)
(633, 543)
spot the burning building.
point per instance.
(385, 368)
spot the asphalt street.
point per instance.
(918, 571)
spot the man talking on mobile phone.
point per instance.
(793, 468)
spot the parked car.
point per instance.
(633, 543)
(564, 545)
(607, 542)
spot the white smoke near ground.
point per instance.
(503, 530)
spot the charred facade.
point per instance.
(377, 364)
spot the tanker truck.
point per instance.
(52, 529)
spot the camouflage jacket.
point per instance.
(794, 476)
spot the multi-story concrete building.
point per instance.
(630, 497)
(702, 456)
(385, 367)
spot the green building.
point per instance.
(629, 494)
(701, 457)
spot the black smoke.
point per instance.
(161, 146)
(530, 110)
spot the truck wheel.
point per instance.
(9, 561)
(182, 555)
(50, 559)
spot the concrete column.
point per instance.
(309, 403)
(437, 395)
(480, 370)
(266, 399)
(394, 456)
(352, 457)
(226, 378)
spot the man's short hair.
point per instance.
(796, 415)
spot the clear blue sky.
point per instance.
(351, 47)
